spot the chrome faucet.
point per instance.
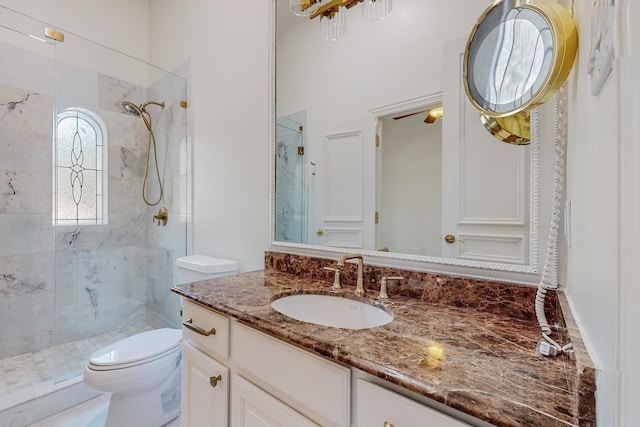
(360, 281)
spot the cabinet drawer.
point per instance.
(194, 318)
(320, 387)
(378, 406)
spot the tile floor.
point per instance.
(30, 376)
(89, 414)
(68, 360)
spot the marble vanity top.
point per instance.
(479, 362)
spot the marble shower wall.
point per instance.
(166, 243)
(69, 282)
(289, 215)
(27, 285)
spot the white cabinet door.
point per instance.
(205, 390)
(253, 407)
(317, 387)
(379, 407)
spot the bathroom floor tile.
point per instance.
(60, 363)
(92, 413)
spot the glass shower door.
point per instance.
(27, 268)
(82, 261)
(290, 215)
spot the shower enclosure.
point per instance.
(83, 263)
(290, 216)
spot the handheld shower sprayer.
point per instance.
(132, 109)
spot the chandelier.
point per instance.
(332, 13)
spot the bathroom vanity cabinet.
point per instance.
(238, 375)
(431, 363)
(205, 379)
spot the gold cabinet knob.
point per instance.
(450, 238)
(388, 424)
(319, 232)
(214, 380)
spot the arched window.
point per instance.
(81, 168)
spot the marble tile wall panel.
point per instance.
(27, 284)
(98, 291)
(25, 109)
(24, 234)
(27, 296)
(112, 91)
(163, 309)
(24, 150)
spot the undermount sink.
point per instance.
(333, 311)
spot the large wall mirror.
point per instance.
(359, 167)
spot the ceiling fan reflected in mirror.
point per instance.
(518, 55)
(433, 114)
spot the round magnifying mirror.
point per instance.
(518, 55)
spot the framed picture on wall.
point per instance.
(602, 37)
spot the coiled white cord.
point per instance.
(549, 278)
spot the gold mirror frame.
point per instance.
(515, 129)
(512, 125)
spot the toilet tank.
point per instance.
(193, 268)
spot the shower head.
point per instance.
(130, 108)
(143, 107)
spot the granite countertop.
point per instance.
(488, 369)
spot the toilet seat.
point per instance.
(136, 350)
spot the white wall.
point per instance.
(228, 45)
(629, 315)
(118, 24)
(410, 207)
(602, 183)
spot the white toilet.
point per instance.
(142, 372)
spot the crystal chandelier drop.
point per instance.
(334, 24)
(332, 13)
(300, 7)
(375, 10)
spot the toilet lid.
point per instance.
(137, 347)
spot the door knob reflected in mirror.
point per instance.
(450, 238)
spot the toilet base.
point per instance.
(140, 410)
(150, 408)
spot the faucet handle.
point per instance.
(336, 277)
(383, 286)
